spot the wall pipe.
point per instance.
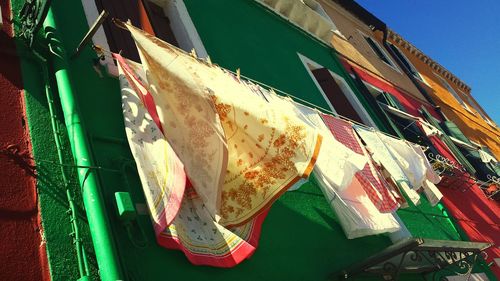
(95, 207)
(40, 61)
(83, 266)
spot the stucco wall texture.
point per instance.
(22, 248)
(470, 122)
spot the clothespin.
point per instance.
(99, 51)
(120, 24)
(238, 73)
(193, 53)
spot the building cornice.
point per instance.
(438, 68)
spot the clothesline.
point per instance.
(303, 102)
(120, 24)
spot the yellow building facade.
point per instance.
(452, 95)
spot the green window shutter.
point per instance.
(482, 169)
(452, 130)
(405, 61)
(447, 140)
(383, 121)
(377, 50)
(391, 100)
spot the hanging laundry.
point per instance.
(394, 189)
(431, 178)
(430, 174)
(277, 101)
(335, 173)
(413, 165)
(181, 221)
(368, 177)
(486, 157)
(356, 212)
(336, 163)
(240, 153)
(416, 167)
(383, 153)
(455, 178)
(380, 152)
(206, 242)
(160, 170)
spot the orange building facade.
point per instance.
(452, 95)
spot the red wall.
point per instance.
(22, 253)
(411, 104)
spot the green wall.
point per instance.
(50, 187)
(301, 238)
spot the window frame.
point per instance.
(414, 71)
(478, 109)
(350, 95)
(391, 63)
(453, 93)
(190, 34)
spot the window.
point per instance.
(478, 109)
(453, 92)
(337, 93)
(381, 54)
(413, 70)
(168, 20)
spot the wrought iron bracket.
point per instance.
(419, 256)
(32, 15)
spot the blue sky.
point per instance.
(462, 35)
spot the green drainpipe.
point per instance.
(95, 207)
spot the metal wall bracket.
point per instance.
(93, 29)
(419, 256)
(32, 15)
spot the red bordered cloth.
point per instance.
(180, 218)
(368, 177)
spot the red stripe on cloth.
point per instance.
(231, 258)
(369, 176)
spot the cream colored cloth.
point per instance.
(432, 192)
(429, 130)
(486, 157)
(160, 170)
(239, 152)
(188, 117)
